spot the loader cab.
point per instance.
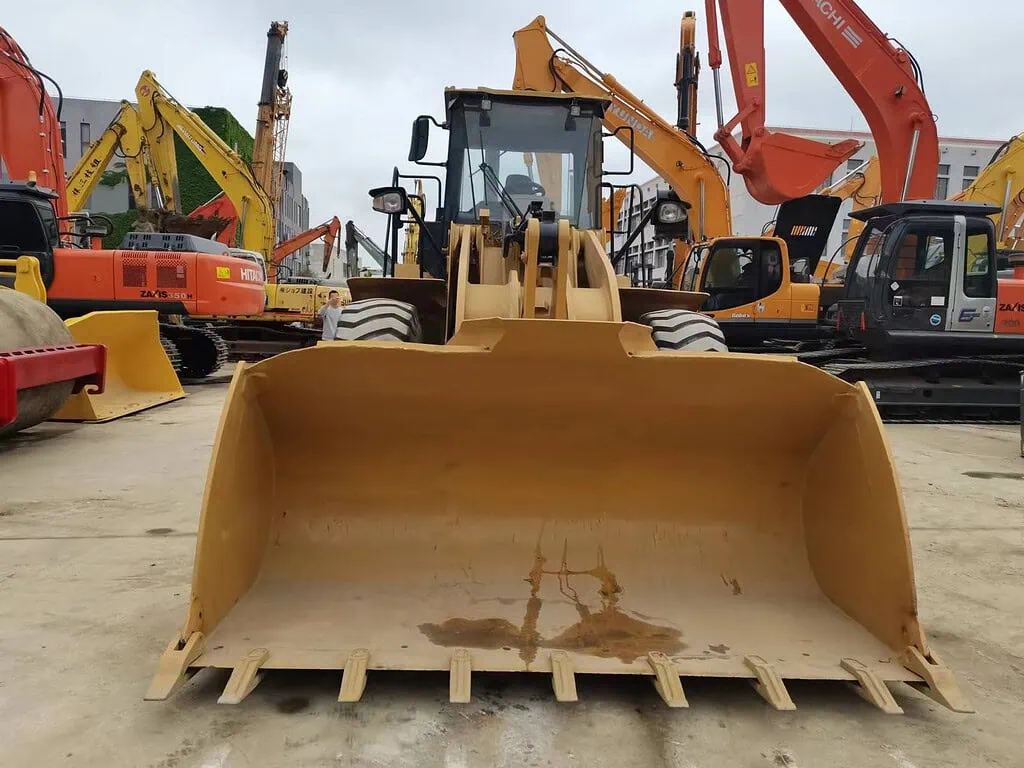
(924, 273)
(28, 227)
(513, 152)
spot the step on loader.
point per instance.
(534, 481)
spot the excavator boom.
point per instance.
(162, 116)
(328, 231)
(881, 78)
(676, 155)
(1001, 183)
(125, 134)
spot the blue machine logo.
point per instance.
(935, 319)
(966, 315)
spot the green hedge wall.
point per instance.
(195, 184)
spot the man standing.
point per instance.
(330, 313)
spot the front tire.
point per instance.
(379, 320)
(679, 330)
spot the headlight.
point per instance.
(671, 213)
(390, 202)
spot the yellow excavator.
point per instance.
(1001, 183)
(864, 186)
(762, 287)
(513, 537)
(673, 151)
(124, 135)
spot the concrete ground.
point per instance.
(97, 530)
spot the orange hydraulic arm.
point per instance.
(328, 231)
(673, 153)
(28, 147)
(880, 77)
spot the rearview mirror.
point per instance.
(420, 136)
(390, 200)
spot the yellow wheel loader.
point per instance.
(529, 482)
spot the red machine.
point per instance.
(881, 78)
(26, 369)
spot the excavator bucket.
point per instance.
(139, 375)
(507, 503)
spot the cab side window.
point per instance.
(922, 267)
(977, 266)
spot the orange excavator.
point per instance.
(33, 210)
(879, 75)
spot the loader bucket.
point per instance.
(138, 375)
(553, 497)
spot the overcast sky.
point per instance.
(360, 71)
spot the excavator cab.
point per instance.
(763, 287)
(924, 277)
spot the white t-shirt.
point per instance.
(330, 316)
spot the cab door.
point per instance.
(916, 284)
(973, 286)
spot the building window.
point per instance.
(846, 229)
(63, 138)
(86, 136)
(942, 183)
(659, 260)
(970, 174)
(853, 164)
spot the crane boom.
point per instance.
(272, 117)
(125, 133)
(881, 78)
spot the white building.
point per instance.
(960, 161)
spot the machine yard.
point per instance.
(96, 565)
(720, 468)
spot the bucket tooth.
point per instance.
(666, 680)
(459, 681)
(563, 678)
(353, 679)
(769, 683)
(871, 687)
(939, 682)
(173, 670)
(244, 677)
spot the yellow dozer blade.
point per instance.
(139, 373)
(552, 497)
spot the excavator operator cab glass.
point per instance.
(511, 152)
(863, 264)
(739, 272)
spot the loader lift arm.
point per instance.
(162, 116)
(881, 78)
(673, 153)
(124, 133)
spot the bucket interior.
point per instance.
(570, 491)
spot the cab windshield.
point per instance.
(523, 152)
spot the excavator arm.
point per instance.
(328, 231)
(162, 117)
(124, 133)
(1001, 183)
(674, 154)
(864, 186)
(881, 78)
